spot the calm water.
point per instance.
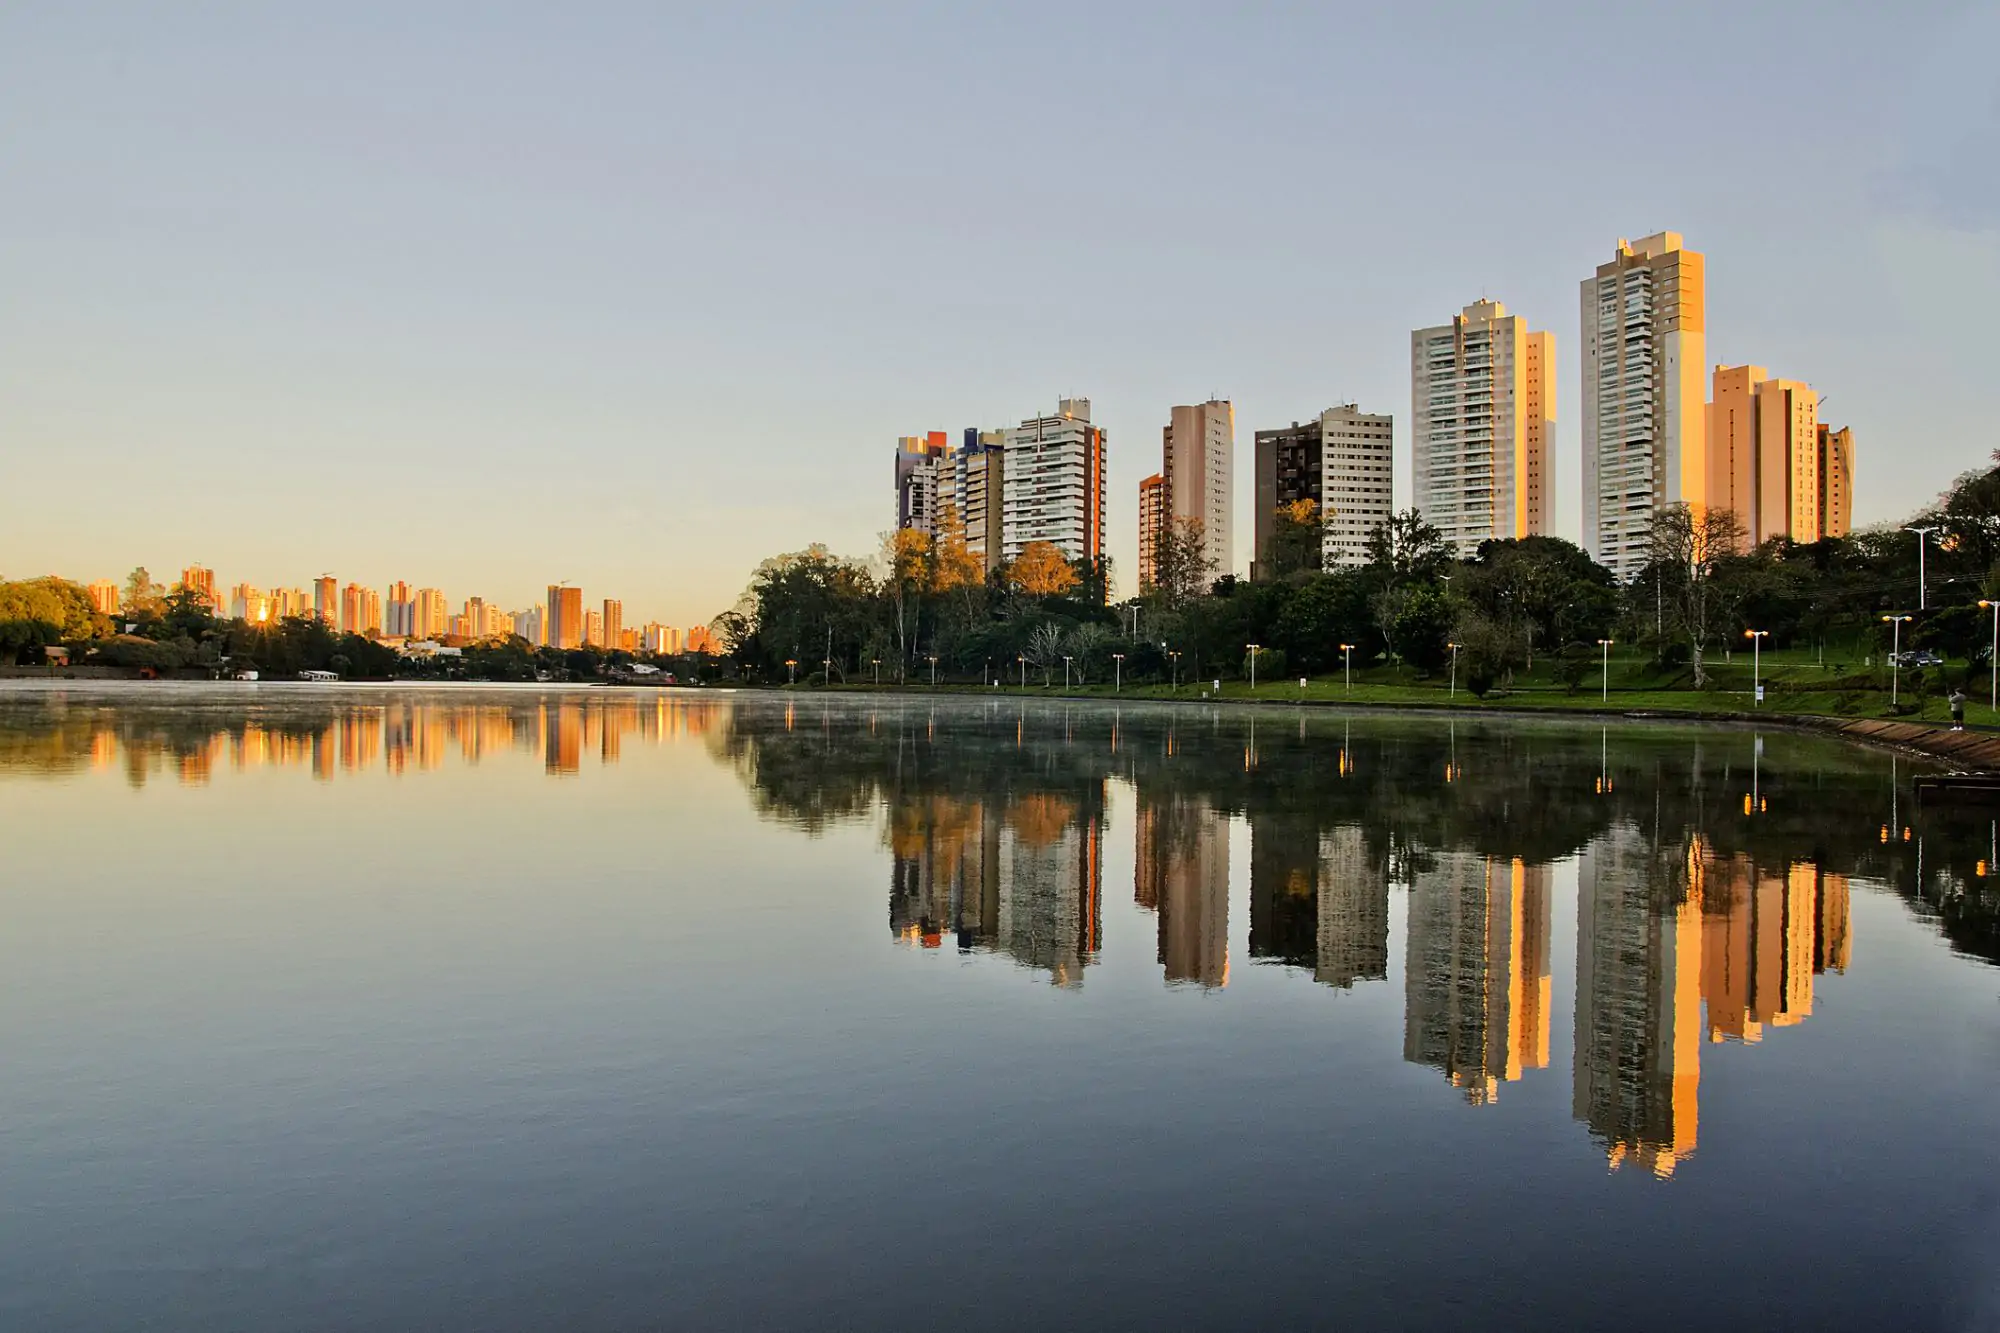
(613, 1010)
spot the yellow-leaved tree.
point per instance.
(1041, 571)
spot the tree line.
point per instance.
(924, 603)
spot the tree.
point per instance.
(907, 553)
(141, 593)
(38, 612)
(1182, 564)
(1687, 547)
(1041, 571)
(1406, 554)
(1297, 541)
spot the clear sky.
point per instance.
(484, 296)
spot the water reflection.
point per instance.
(1712, 869)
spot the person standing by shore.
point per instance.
(1958, 710)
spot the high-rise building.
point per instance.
(1644, 411)
(1152, 512)
(564, 626)
(978, 472)
(1198, 473)
(326, 598)
(400, 621)
(663, 640)
(700, 639)
(614, 623)
(1764, 461)
(528, 623)
(429, 620)
(920, 460)
(290, 604)
(351, 609)
(1482, 423)
(1344, 462)
(593, 628)
(104, 597)
(1055, 484)
(1836, 481)
(201, 582)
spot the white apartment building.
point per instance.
(1644, 321)
(1482, 409)
(1357, 481)
(1198, 472)
(1055, 484)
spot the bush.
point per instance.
(1574, 664)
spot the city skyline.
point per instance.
(298, 353)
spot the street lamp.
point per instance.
(1895, 657)
(1024, 670)
(1174, 660)
(1454, 671)
(1347, 664)
(1066, 660)
(1254, 648)
(792, 668)
(1993, 658)
(1756, 637)
(1923, 543)
(1604, 693)
(933, 661)
(876, 662)
(1117, 672)
(826, 671)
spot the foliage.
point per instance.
(1296, 546)
(1041, 571)
(1182, 563)
(35, 613)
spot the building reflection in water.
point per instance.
(1182, 875)
(1476, 974)
(1693, 928)
(1020, 876)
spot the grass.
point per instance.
(1796, 683)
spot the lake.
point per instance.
(360, 1008)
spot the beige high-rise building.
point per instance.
(1482, 408)
(1644, 410)
(104, 596)
(1198, 477)
(1055, 484)
(593, 629)
(429, 617)
(1152, 511)
(978, 474)
(1357, 480)
(1761, 455)
(614, 623)
(1836, 481)
(200, 581)
(326, 598)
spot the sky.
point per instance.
(487, 296)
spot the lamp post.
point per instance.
(1347, 664)
(876, 662)
(1604, 693)
(1895, 657)
(1023, 660)
(1454, 671)
(826, 671)
(792, 671)
(1117, 672)
(1923, 543)
(1993, 657)
(933, 661)
(1174, 661)
(1254, 649)
(1066, 661)
(1756, 637)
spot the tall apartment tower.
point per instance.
(1763, 456)
(104, 596)
(1152, 512)
(352, 612)
(326, 599)
(1836, 480)
(919, 459)
(1055, 484)
(401, 610)
(1482, 408)
(1344, 462)
(565, 619)
(1198, 469)
(978, 482)
(200, 581)
(614, 623)
(430, 617)
(1644, 345)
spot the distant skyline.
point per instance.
(636, 300)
